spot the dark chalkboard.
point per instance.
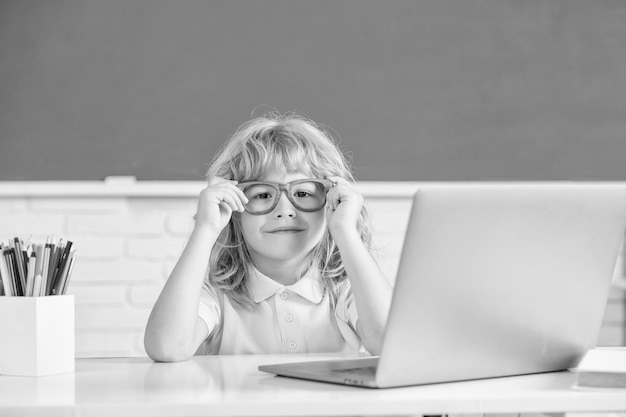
(415, 90)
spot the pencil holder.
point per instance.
(37, 335)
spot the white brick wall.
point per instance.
(129, 238)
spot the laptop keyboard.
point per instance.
(361, 370)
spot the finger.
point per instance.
(241, 194)
(225, 209)
(220, 194)
(333, 199)
(335, 194)
(237, 195)
(236, 199)
(232, 185)
(221, 185)
(338, 180)
(341, 187)
(331, 196)
(232, 202)
(344, 193)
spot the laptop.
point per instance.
(494, 279)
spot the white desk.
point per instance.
(232, 386)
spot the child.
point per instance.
(278, 260)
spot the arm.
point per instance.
(174, 330)
(372, 291)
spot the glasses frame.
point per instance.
(279, 188)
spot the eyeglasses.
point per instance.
(305, 195)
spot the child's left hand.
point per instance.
(343, 206)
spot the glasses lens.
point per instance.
(308, 195)
(260, 197)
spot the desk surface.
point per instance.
(232, 385)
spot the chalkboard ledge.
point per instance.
(130, 187)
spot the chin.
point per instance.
(286, 250)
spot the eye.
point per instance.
(261, 196)
(259, 192)
(305, 190)
(302, 194)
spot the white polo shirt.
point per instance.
(295, 318)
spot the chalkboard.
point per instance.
(413, 90)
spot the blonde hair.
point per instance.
(284, 143)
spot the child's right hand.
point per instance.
(217, 202)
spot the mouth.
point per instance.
(286, 229)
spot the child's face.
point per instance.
(285, 234)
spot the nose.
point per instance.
(284, 208)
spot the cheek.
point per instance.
(249, 224)
(318, 222)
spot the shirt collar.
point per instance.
(262, 287)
